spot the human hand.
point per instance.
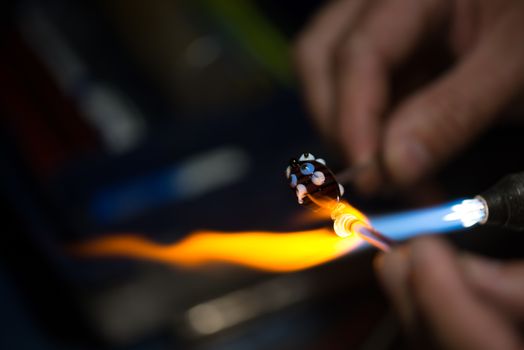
(346, 58)
(462, 302)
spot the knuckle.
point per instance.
(358, 48)
(455, 110)
(451, 116)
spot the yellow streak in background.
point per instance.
(269, 251)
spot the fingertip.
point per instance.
(393, 272)
(431, 262)
(392, 269)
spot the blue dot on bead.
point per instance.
(307, 169)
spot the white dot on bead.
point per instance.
(318, 178)
(301, 193)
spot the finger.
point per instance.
(500, 284)
(389, 32)
(439, 120)
(392, 269)
(313, 52)
(454, 313)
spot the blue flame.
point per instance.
(400, 226)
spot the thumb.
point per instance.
(438, 121)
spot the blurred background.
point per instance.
(162, 117)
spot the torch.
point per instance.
(316, 187)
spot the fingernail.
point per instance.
(407, 159)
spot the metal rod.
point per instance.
(373, 237)
(349, 174)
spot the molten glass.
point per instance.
(345, 217)
(348, 222)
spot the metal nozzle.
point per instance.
(505, 202)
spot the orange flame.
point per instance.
(269, 251)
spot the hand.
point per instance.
(346, 58)
(465, 302)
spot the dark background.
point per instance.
(101, 100)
